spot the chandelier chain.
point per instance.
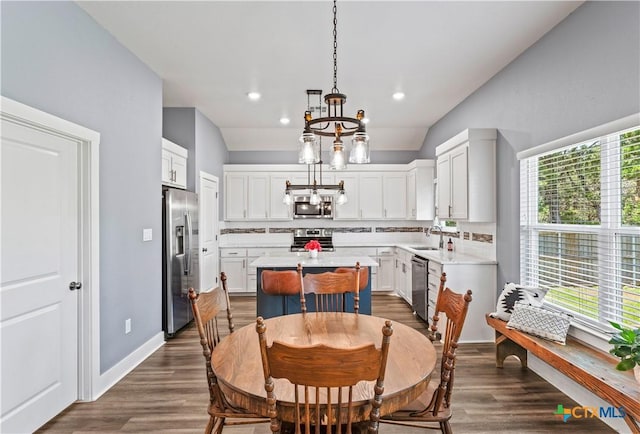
(335, 48)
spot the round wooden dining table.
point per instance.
(238, 365)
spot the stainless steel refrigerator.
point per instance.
(179, 258)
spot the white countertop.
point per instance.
(324, 259)
(445, 257)
(441, 256)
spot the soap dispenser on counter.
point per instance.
(450, 245)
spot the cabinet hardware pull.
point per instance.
(75, 285)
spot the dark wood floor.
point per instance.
(168, 393)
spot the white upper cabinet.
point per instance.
(278, 210)
(370, 187)
(374, 192)
(235, 196)
(174, 164)
(258, 196)
(394, 195)
(466, 172)
(420, 190)
(247, 196)
(351, 209)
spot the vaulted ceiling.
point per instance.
(210, 54)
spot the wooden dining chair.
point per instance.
(330, 289)
(323, 375)
(432, 409)
(206, 306)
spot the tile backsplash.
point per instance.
(472, 238)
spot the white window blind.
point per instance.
(580, 227)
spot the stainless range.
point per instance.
(303, 236)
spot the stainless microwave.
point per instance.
(303, 209)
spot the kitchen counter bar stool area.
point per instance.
(281, 300)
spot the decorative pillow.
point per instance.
(540, 322)
(514, 292)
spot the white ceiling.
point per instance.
(211, 53)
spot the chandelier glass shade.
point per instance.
(359, 149)
(338, 160)
(309, 149)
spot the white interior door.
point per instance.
(208, 232)
(39, 258)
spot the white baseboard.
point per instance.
(575, 391)
(108, 379)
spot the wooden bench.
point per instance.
(588, 366)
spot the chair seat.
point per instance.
(216, 411)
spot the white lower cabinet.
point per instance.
(403, 274)
(386, 269)
(233, 262)
(482, 281)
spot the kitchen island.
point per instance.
(269, 306)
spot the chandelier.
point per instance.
(314, 198)
(335, 124)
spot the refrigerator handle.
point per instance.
(187, 248)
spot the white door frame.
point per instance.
(89, 236)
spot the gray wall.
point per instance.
(57, 59)
(211, 151)
(286, 157)
(178, 126)
(583, 73)
(190, 129)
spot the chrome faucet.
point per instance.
(441, 242)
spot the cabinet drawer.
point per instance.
(435, 268)
(355, 251)
(233, 253)
(265, 251)
(386, 251)
(433, 282)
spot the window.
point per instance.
(580, 226)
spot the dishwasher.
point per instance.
(420, 286)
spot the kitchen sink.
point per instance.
(423, 248)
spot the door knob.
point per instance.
(75, 285)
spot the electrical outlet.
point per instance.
(127, 326)
(147, 234)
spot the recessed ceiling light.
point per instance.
(254, 96)
(398, 96)
(285, 121)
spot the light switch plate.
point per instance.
(147, 234)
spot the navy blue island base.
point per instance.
(269, 306)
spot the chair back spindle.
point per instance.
(330, 288)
